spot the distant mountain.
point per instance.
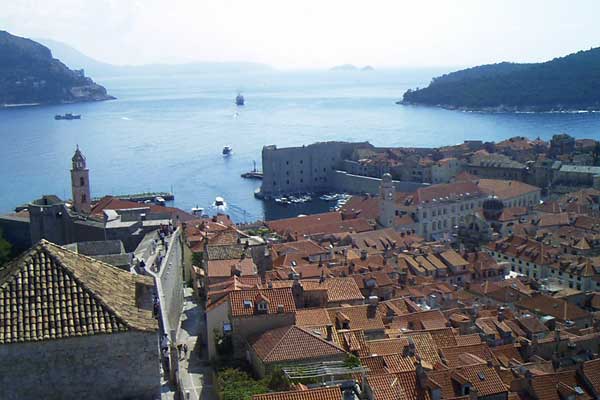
(562, 84)
(351, 67)
(30, 75)
(74, 57)
(344, 67)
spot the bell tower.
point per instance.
(387, 203)
(80, 183)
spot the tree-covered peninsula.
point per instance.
(562, 84)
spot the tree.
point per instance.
(5, 249)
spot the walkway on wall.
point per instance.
(195, 373)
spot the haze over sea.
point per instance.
(166, 132)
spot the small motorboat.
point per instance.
(67, 116)
(219, 201)
(159, 201)
(227, 150)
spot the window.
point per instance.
(287, 181)
(262, 306)
(81, 181)
(83, 198)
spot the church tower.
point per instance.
(80, 183)
(387, 202)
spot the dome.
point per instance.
(492, 208)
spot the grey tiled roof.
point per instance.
(51, 293)
(228, 252)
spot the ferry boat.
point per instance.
(67, 116)
(227, 150)
(239, 100)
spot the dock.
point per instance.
(252, 175)
(141, 197)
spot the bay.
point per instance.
(166, 133)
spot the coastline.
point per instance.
(502, 109)
(23, 105)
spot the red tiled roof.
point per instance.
(293, 343)
(505, 190)
(223, 268)
(312, 317)
(113, 203)
(362, 206)
(359, 317)
(451, 355)
(443, 190)
(279, 296)
(326, 393)
(558, 308)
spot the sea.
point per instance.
(167, 132)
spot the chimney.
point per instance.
(421, 375)
(409, 351)
(364, 255)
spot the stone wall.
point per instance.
(170, 282)
(302, 169)
(110, 366)
(345, 182)
(16, 231)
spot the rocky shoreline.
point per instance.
(504, 109)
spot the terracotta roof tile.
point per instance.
(50, 293)
(451, 355)
(312, 317)
(293, 343)
(241, 301)
(327, 393)
(225, 268)
(363, 317)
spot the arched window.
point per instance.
(83, 198)
(81, 181)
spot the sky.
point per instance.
(311, 33)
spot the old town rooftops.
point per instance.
(51, 293)
(324, 393)
(293, 343)
(446, 192)
(280, 301)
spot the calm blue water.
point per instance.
(166, 133)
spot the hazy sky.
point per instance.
(311, 33)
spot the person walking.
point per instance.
(185, 349)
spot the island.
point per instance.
(351, 67)
(29, 75)
(570, 83)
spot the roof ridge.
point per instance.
(319, 338)
(289, 328)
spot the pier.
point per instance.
(140, 197)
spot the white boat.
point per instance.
(159, 200)
(197, 211)
(219, 201)
(227, 150)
